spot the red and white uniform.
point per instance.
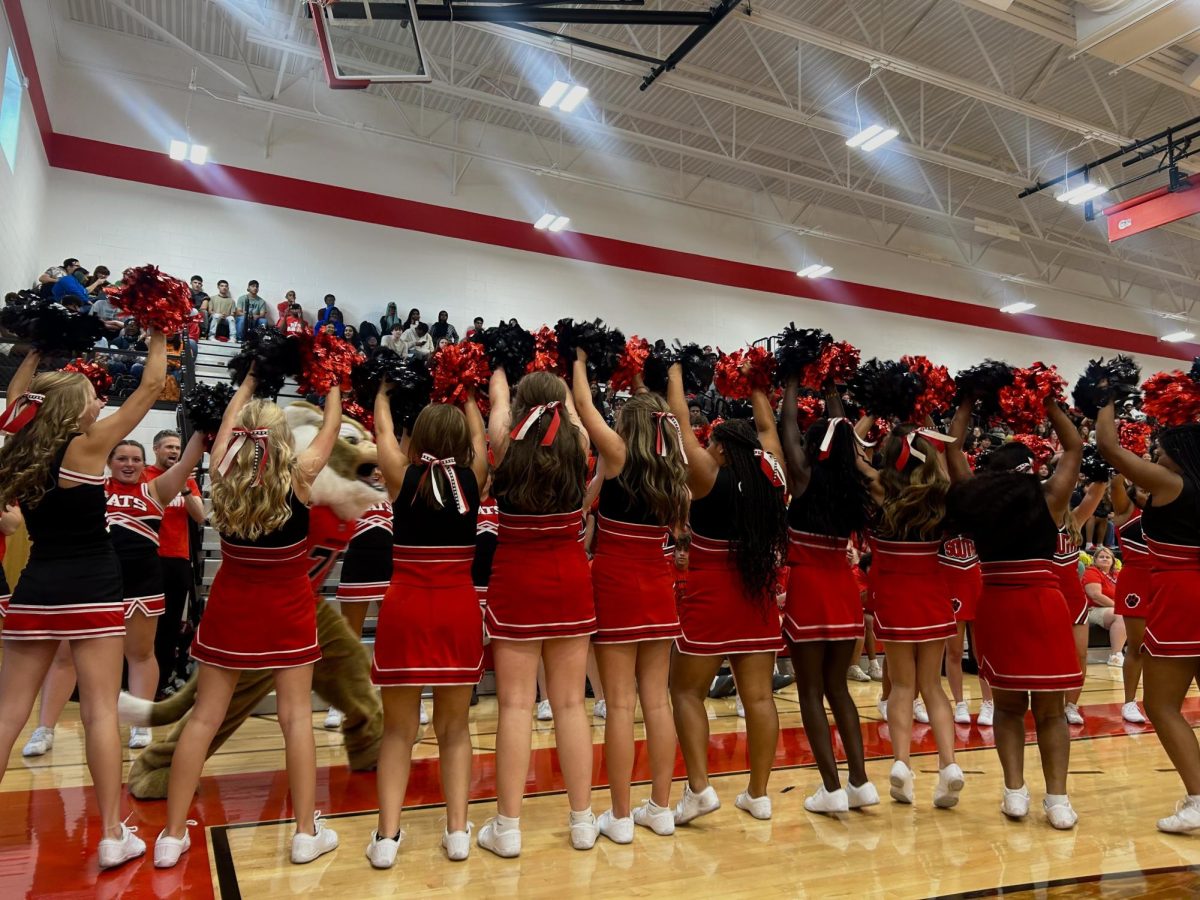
(1172, 534)
(823, 598)
(1133, 581)
(909, 596)
(367, 566)
(1066, 565)
(134, 517)
(963, 578)
(173, 541)
(487, 531)
(5, 591)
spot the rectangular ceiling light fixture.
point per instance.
(816, 270)
(1019, 307)
(879, 140)
(179, 150)
(1081, 193)
(576, 95)
(1176, 336)
(865, 135)
(552, 222)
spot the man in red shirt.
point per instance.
(174, 551)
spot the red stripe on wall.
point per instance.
(24, 50)
(151, 167)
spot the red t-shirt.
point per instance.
(173, 535)
(1108, 583)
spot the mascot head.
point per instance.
(345, 485)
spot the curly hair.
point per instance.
(759, 516)
(838, 497)
(241, 508)
(660, 481)
(541, 480)
(27, 457)
(440, 430)
(1182, 444)
(914, 496)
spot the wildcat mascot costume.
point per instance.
(340, 495)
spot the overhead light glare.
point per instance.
(560, 223)
(1081, 193)
(879, 140)
(198, 154)
(1176, 336)
(178, 151)
(545, 221)
(554, 94)
(574, 97)
(865, 135)
(1019, 307)
(816, 270)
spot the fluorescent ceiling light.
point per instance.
(178, 150)
(1019, 307)
(560, 223)
(879, 140)
(554, 94)
(1176, 336)
(816, 270)
(545, 221)
(574, 97)
(865, 135)
(198, 154)
(1081, 193)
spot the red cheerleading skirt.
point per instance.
(72, 598)
(1133, 583)
(910, 600)
(261, 611)
(1067, 573)
(633, 582)
(1023, 629)
(716, 615)
(823, 601)
(964, 584)
(1173, 620)
(541, 584)
(430, 628)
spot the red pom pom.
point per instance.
(457, 369)
(877, 432)
(355, 411)
(1022, 403)
(938, 394)
(837, 363)
(1134, 436)
(809, 411)
(731, 381)
(703, 434)
(631, 363)
(545, 351)
(94, 372)
(154, 299)
(326, 360)
(1039, 447)
(1172, 398)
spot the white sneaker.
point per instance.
(692, 806)
(1131, 713)
(962, 715)
(949, 786)
(167, 849)
(1186, 818)
(875, 670)
(619, 831)
(1074, 716)
(1015, 804)
(1061, 816)
(855, 673)
(115, 851)
(600, 709)
(824, 801)
(863, 795)
(660, 819)
(382, 851)
(503, 843)
(307, 847)
(901, 779)
(424, 715)
(333, 719)
(741, 710)
(544, 713)
(585, 831)
(139, 738)
(987, 712)
(759, 807)
(457, 844)
(1117, 660)
(920, 713)
(882, 707)
(40, 742)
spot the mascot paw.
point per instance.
(364, 758)
(148, 784)
(134, 710)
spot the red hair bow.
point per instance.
(771, 468)
(21, 412)
(531, 418)
(907, 449)
(660, 440)
(428, 460)
(260, 437)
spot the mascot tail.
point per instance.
(135, 711)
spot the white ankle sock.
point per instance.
(654, 807)
(579, 818)
(1057, 800)
(508, 823)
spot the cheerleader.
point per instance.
(823, 615)
(52, 467)
(430, 630)
(540, 603)
(964, 582)
(10, 521)
(643, 500)
(1171, 526)
(260, 612)
(739, 540)
(1133, 588)
(913, 615)
(1022, 622)
(1066, 565)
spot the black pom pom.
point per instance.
(602, 346)
(1093, 467)
(1103, 381)
(796, 348)
(50, 327)
(509, 347)
(886, 389)
(410, 395)
(983, 383)
(698, 367)
(205, 405)
(739, 409)
(275, 357)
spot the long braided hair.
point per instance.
(759, 516)
(1182, 444)
(838, 498)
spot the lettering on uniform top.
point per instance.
(1066, 546)
(127, 501)
(959, 548)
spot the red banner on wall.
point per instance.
(1153, 209)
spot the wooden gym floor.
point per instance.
(1121, 781)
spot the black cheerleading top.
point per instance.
(373, 530)
(134, 518)
(712, 515)
(487, 527)
(291, 532)
(1177, 522)
(418, 524)
(806, 515)
(619, 504)
(68, 522)
(1006, 515)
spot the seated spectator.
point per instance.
(222, 308)
(126, 368)
(251, 310)
(334, 318)
(443, 343)
(395, 340)
(284, 306)
(46, 281)
(99, 282)
(366, 330)
(350, 336)
(443, 329)
(293, 321)
(72, 285)
(328, 310)
(417, 342)
(476, 328)
(370, 346)
(103, 309)
(1100, 585)
(414, 316)
(387, 320)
